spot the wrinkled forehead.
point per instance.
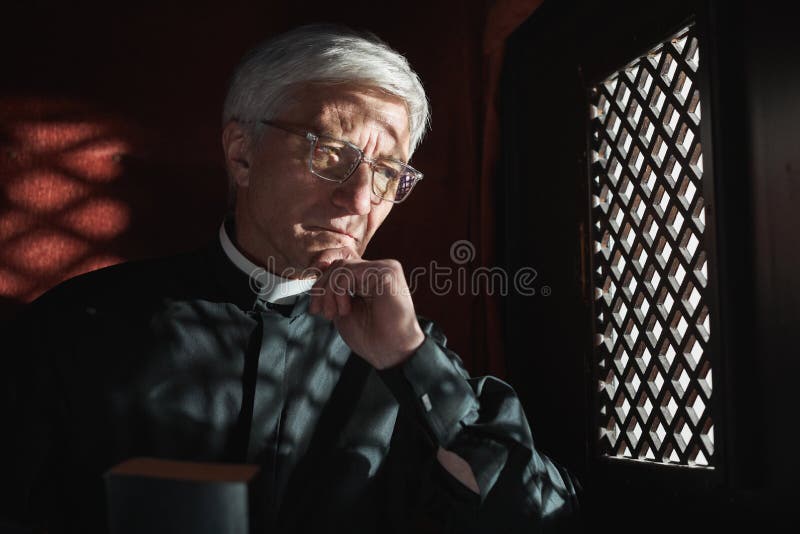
(348, 111)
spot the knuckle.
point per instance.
(394, 265)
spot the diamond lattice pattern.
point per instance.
(652, 318)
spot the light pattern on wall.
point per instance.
(59, 209)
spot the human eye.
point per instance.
(387, 171)
(329, 150)
(330, 153)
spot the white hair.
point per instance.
(263, 82)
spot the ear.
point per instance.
(236, 145)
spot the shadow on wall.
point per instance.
(81, 189)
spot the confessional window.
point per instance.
(651, 274)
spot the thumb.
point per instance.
(323, 259)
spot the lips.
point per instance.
(334, 231)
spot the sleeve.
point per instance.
(481, 420)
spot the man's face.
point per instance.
(286, 213)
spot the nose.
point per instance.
(355, 193)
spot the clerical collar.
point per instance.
(269, 287)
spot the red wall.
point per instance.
(109, 134)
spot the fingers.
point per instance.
(347, 279)
(323, 259)
(333, 292)
(371, 307)
(326, 299)
(344, 302)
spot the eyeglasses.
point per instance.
(335, 160)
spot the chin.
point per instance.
(330, 240)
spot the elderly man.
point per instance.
(279, 344)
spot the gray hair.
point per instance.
(263, 82)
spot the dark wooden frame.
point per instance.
(544, 221)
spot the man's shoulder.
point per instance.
(131, 281)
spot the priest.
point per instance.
(279, 344)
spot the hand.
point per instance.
(370, 304)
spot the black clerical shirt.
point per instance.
(178, 358)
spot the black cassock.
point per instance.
(177, 358)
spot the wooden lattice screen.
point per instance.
(650, 260)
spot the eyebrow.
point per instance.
(394, 156)
(344, 118)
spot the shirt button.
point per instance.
(426, 402)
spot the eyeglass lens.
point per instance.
(336, 160)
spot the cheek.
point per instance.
(281, 191)
(376, 218)
(295, 203)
